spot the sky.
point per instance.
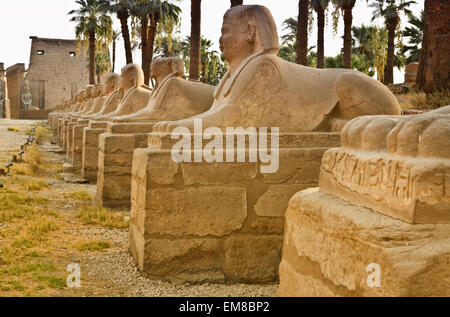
(21, 19)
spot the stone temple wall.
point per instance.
(56, 71)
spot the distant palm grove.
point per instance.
(151, 26)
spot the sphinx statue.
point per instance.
(134, 97)
(262, 90)
(112, 95)
(98, 100)
(88, 101)
(105, 97)
(135, 94)
(173, 97)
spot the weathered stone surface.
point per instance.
(184, 260)
(398, 166)
(297, 166)
(200, 212)
(252, 258)
(329, 245)
(267, 225)
(275, 200)
(218, 173)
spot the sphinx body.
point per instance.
(263, 90)
(174, 98)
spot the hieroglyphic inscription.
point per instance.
(389, 178)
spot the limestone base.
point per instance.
(89, 156)
(115, 158)
(329, 245)
(218, 222)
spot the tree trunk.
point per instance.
(144, 49)
(302, 32)
(114, 57)
(348, 21)
(320, 38)
(154, 18)
(92, 58)
(434, 67)
(389, 69)
(123, 18)
(236, 3)
(195, 39)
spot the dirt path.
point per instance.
(47, 224)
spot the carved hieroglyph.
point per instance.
(380, 224)
(399, 166)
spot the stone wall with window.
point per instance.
(56, 72)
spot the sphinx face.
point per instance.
(127, 79)
(234, 39)
(108, 86)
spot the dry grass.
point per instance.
(421, 101)
(31, 184)
(38, 238)
(93, 245)
(79, 195)
(104, 217)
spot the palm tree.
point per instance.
(196, 17)
(370, 44)
(115, 37)
(94, 26)
(236, 3)
(320, 6)
(102, 63)
(213, 66)
(390, 10)
(434, 65)
(121, 9)
(346, 6)
(154, 15)
(415, 35)
(302, 32)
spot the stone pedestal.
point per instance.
(218, 222)
(69, 136)
(379, 225)
(336, 248)
(77, 141)
(89, 164)
(115, 158)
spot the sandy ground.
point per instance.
(111, 272)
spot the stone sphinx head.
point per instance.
(247, 30)
(132, 76)
(111, 84)
(163, 67)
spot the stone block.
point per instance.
(334, 248)
(252, 258)
(198, 212)
(184, 260)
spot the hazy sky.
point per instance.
(21, 19)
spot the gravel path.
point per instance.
(113, 272)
